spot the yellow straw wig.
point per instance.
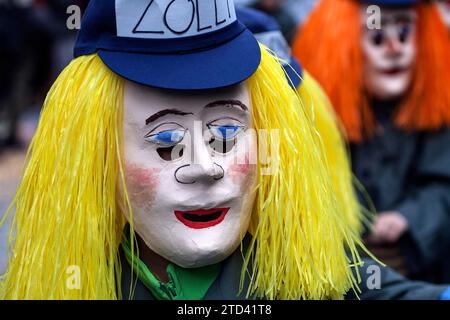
(299, 232)
(67, 212)
(336, 152)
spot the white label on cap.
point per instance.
(166, 19)
(276, 42)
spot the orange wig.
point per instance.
(328, 45)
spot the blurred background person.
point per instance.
(289, 14)
(277, 9)
(388, 85)
(300, 9)
(17, 66)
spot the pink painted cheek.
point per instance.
(243, 174)
(141, 185)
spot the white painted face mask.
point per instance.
(190, 170)
(389, 53)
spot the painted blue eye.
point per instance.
(404, 33)
(225, 132)
(167, 138)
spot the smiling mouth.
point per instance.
(202, 218)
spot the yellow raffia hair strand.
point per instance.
(300, 237)
(66, 214)
(336, 152)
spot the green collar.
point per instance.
(184, 284)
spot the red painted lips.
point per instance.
(394, 71)
(202, 218)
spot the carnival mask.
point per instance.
(389, 53)
(190, 170)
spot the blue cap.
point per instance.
(170, 44)
(393, 3)
(267, 31)
(445, 295)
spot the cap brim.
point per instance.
(221, 66)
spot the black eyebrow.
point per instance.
(227, 103)
(165, 112)
(398, 18)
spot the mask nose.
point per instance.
(394, 46)
(202, 169)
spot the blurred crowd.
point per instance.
(36, 45)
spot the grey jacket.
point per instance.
(409, 172)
